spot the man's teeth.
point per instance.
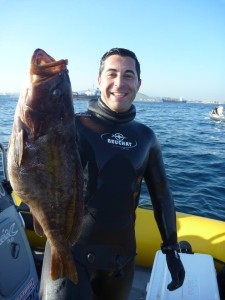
(119, 94)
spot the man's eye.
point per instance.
(110, 75)
(129, 76)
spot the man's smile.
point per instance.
(119, 95)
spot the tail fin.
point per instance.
(63, 265)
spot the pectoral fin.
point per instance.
(37, 227)
(18, 147)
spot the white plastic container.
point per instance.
(200, 279)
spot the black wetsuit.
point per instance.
(117, 153)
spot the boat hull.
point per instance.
(217, 117)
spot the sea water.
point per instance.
(193, 148)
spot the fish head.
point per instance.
(46, 99)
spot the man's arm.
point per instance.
(164, 212)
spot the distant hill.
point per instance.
(143, 97)
(139, 96)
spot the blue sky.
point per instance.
(179, 43)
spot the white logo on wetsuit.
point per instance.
(118, 140)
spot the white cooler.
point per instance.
(200, 279)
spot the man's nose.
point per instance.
(118, 81)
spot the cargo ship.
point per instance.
(87, 95)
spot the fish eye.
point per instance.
(56, 93)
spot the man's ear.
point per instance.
(139, 84)
(99, 80)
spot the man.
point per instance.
(220, 110)
(116, 153)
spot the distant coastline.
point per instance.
(174, 100)
(140, 97)
(9, 95)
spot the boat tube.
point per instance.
(205, 235)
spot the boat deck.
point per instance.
(141, 279)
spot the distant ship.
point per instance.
(174, 100)
(7, 96)
(87, 95)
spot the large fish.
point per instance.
(43, 161)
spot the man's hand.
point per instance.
(176, 269)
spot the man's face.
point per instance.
(119, 83)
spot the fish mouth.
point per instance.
(44, 65)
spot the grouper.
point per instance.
(43, 160)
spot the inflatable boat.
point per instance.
(202, 235)
(217, 117)
(196, 235)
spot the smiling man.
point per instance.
(119, 81)
(117, 153)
